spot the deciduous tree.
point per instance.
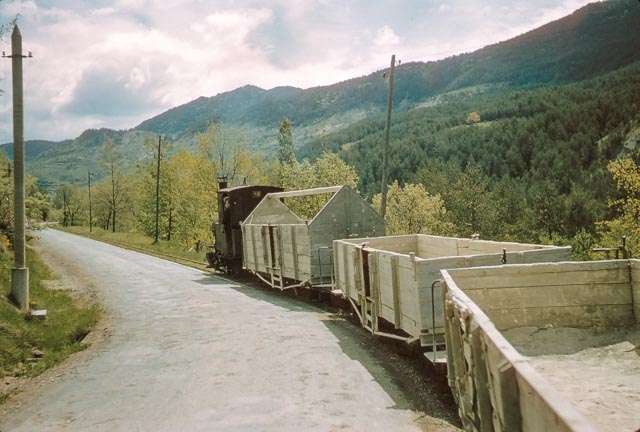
(6, 194)
(626, 176)
(114, 190)
(327, 170)
(67, 199)
(412, 210)
(226, 148)
(147, 183)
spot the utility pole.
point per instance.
(90, 218)
(19, 272)
(385, 148)
(158, 191)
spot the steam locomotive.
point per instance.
(234, 205)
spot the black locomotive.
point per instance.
(234, 205)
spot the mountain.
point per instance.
(597, 39)
(594, 40)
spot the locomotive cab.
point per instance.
(234, 205)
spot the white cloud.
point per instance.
(385, 36)
(119, 62)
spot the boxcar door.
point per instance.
(364, 260)
(270, 249)
(367, 306)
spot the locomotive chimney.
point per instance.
(222, 182)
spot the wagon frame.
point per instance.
(499, 389)
(393, 281)
(288, 251)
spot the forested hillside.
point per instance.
(535, 157)
(595, 40)
(533, 139)
(559, 133)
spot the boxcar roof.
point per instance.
(273, 209)
(253, 192)
(238, 188)
(306, 192)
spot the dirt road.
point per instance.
(184, 350)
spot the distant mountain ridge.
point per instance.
(595, 40)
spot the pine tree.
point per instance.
(286, 154)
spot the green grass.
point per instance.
(69, 318)
(135, 240)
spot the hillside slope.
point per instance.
(593, 41)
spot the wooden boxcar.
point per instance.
(288, 251)
(579, 329)
(390, 280)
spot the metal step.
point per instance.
(440, 356)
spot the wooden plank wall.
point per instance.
(573, 294)
(544, 255)
(271, 211)
(400, 244)
(330, 224)
(475, 247)
(408, 287)
(252, 248)
(494, 386)
(430, 247)
(436, 247)
(635, 287)
(404, 244)
(342, 268)
(294, 252)
(381, 280)
(427, 271)
(348, 269)
(348, 265)
(393, 283)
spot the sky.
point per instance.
(115, 63)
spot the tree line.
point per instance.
(128, 197)
(527, 165)
(552, 165)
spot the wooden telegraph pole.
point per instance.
(385, 148)
(19, 272)
(158, 192)
(90, 215)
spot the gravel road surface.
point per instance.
(183, 350)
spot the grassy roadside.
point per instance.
(29, 346)
(138, 241)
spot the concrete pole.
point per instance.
(385, 148)
(19, 272)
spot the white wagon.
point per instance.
(390, 280)
(287, 251)
(545, 347)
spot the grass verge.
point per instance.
(138, 241)
(29, 346)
